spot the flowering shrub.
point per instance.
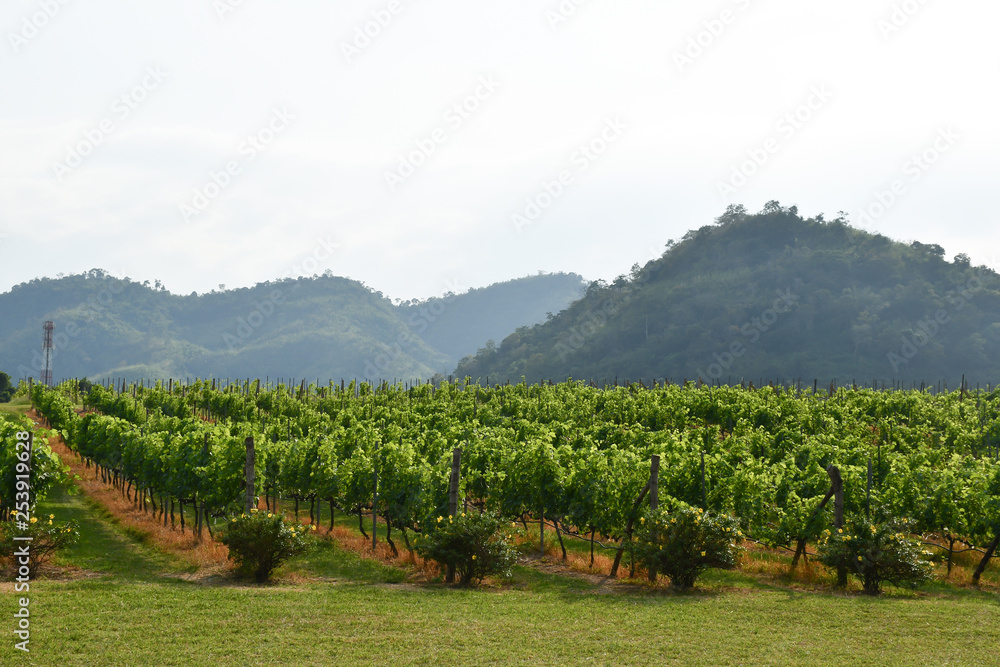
(684, 542)
(47, 537)
(477, 545)
(259, 542)
(877, 553)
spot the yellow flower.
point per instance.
(463, 514)
(673, 521)
(34, 519)
(473, 556)
(642, 519)
(314, 527)
(268, 515)
(840, 530)
(52, 516)
(234, 519)
(439, 519)
(50, 522)
(859, 559)
(702, 553)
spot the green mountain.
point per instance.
(770, 296)
(313, 328)
(457, 325)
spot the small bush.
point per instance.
(47, 538)
(684, 542)
(259, 542)
(477, 545)
(877, 553)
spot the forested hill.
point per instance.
(457, 325)
(771, 295)
(314, 328)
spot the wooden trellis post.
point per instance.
(456, 468)
(838, 513)
(251, 498)
(654, 497)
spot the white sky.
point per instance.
(449, 225)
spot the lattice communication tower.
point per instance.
(47, 352)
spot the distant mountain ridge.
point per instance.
(313, 328)
(767, 296)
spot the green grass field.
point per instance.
(18, 406)
(121, 601)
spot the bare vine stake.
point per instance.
(868, 493)
(704, 495)
(838, 513)
(456, 467)
(201, 507)
(249, 475)
(654, 493)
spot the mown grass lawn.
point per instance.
(118, 622)
(131, 604)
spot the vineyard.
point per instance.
(570, 456)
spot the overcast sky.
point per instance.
(422, 146)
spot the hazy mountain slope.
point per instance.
(771, 295)
(314, 328)
(458, 325)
